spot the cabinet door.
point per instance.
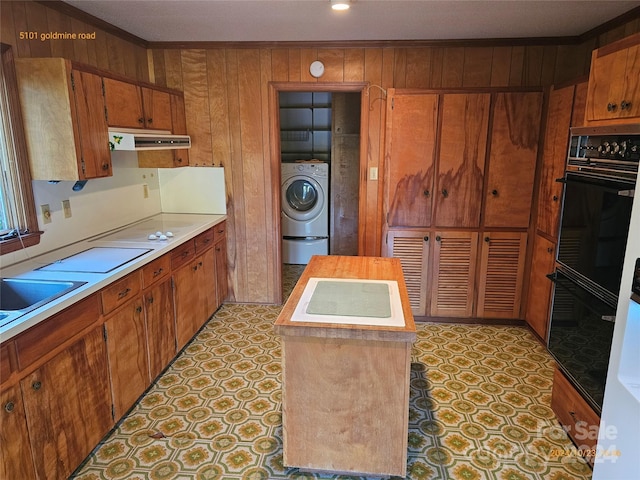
(157, 109)
(161, 329)
(207, 283)
(124, 104)
(501, 274)
(189, 309)
(461, 159)
(412, 248)
(92, 125)
(613, 84)
(512, 162)
(179, 126)
(539, 295)
(68, 406)
(222, 285)
(410, 148)
(554, 158)
(128, 355)
(454, 271)
(15, 452)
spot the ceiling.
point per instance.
(314, 20)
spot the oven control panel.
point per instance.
(622, 148)
(611, 155)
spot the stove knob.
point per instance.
(615, 147)
(623, 149)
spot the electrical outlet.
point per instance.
(66, 208)
(145, 190)
(46, 213)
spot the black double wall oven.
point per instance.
(599, 185)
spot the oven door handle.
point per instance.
(627, 193)
(609, 184)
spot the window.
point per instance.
(18, 221)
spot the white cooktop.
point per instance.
(96, 260)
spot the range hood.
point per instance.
(137, 140)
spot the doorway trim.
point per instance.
(274, 141)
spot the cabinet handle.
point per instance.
(179, 160)
(549, 249)
(199, 264)
(141, 120)
(185, 253)
(36, 385)
(438, 238)
(105, 166)
(123, 293)
(426, 193)
(195, 267)
(158, 272)
(426, 238)
(611, 107)
(9, 406)
(138, 309)
(150, 300)
(149, 120)
(625, 105)
(555, 198)
(487, 239)
(218, 249)
(445, 194)
(494, 192)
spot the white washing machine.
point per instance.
(305, 211)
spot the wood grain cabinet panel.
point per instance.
(540, 287)
(222, 284)
(156, 270)
(132, 106)
(412, 248)
(614, 90)
(461, 159)
(128, 355)
(120, 292)
(502, 260)
(513, 157)
(191, 284)
(160, 325)
(454, 273)
(16, 461)
(63, 111)
(157, 109)
(410, 149)
(554, 158)
(68, 406)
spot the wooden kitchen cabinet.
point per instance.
(128, 355)
(133, 106)
(512, 160)
(63, 110)
(412, 248)
(220, 247)
(614, 91)
(454, 273)
(68, 406)
(540, 287)
(160, 325)
(15, 454)
(461, 159)
(502, 261)
(410, 155)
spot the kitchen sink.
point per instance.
(20, 295)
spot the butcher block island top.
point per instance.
(347, 332)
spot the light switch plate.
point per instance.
(46, 213)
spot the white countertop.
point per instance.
(183, 227)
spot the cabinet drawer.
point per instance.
(219, 231)
(56, 330)
(204, 241)
(574, 414)
(120, 292)
(183, 254)
(156, 270)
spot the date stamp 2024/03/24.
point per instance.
(584, 452)
(44, 36)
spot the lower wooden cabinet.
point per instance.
(222, 284)
(68, 406)
(444, 269)
(540, 287)
(577, 418)
(128, 355)
(15, 455)
(161, 328)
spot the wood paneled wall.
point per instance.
(227, 105)
(20, 20)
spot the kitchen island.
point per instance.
(346, 355)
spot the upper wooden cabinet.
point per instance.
(133, 106)
(64, 116)
(512, 162)
(410, 149)
(614, 89)
(461, 159)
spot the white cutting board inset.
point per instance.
(96, 260)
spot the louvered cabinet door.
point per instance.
(454, 270)
(501, 274)
(412, 248)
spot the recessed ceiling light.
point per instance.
(340, 4)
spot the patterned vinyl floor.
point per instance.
(479, 408)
